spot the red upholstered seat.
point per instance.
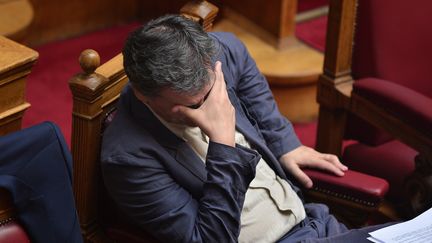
(392, 42)
(402, 85)
(377, 89)
(392, 160)
(13, 232)
(403, 102)
(10, 229)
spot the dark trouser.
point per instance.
(319, 227)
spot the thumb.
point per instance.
(301, 177)
(305, 180)
(185, 111)
(179, 109)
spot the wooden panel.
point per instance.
(54, 20)
(292, 72)
(16, 62)
(275, 16)
(340, 34)
(335, 85)
(15, 17)
(296, 103)
(153, 9)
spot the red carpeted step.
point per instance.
(306, 5)
(313, 32)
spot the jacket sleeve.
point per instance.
(254, 93)
(146, 192)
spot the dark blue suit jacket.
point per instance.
(36, 167)
(159, 181)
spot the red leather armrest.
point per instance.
(404, 103)
(354, 185)
(13, 232)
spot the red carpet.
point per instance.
(313, 32)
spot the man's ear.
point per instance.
(140, 96)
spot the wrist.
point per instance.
(225, 141)
(223, 138)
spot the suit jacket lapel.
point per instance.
(247, 126)
(176, 146)
(243, 124)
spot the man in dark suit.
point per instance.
(198, 150)
(36, 168)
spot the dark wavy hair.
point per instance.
(170, 51)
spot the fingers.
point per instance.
(216, 115)
(218, 71)
(327, 162)
(334, 160)
(322, 164)
(219, 85)
(215, 93)
(300, 176)
(218, 68)
(305, 157)
(185, 111)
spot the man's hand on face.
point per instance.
(305, 157)
(216, 116)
